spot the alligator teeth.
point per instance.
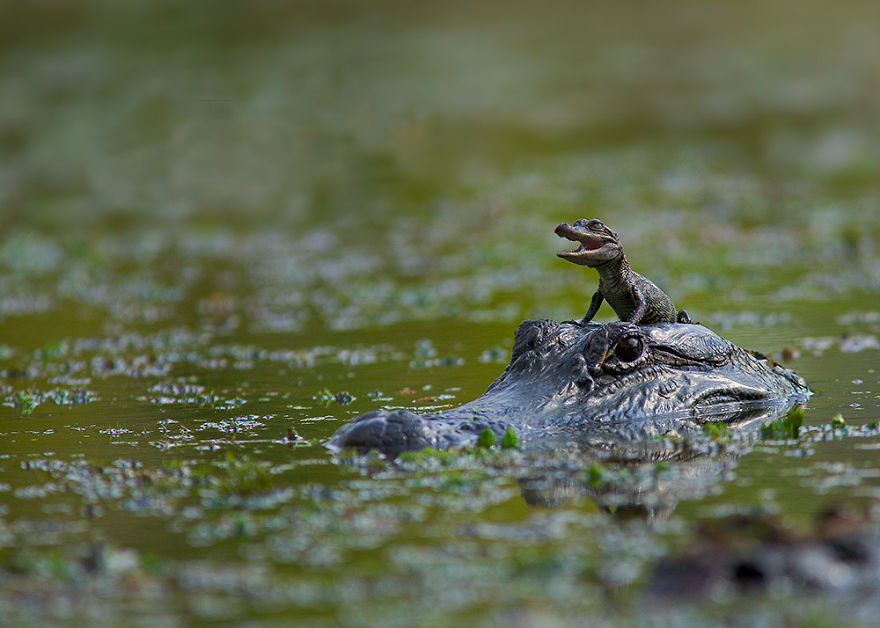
(587, 241)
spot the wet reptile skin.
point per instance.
(624, 289)
(588, 384)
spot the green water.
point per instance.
(217, 217)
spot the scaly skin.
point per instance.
(633, 298)
(596, 386)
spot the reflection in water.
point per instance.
(630, 489)
(632, 485)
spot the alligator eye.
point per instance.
(597, 225)
(629, 349)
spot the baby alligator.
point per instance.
(633, 298)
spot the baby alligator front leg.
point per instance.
(641, 306)
(595, 302)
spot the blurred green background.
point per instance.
(219, 214)
(437, 140)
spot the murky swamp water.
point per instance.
(223, 235)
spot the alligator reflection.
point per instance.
(627, 481)
(740, 554)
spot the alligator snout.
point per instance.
(390, 431)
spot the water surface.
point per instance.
(225, 232)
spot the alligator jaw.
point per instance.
(587, 242)
(727, 397)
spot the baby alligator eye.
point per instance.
(597, 225)
(629, 349)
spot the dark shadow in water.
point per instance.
(625, 481)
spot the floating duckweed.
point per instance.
(444, 456)
(235, 285)
(324, 396)
(171, 464)
(411, 456)
(26, 402)
(595, 474)
(510, 439)
(717, 431)
(486, 439)
(241, 476)
(785, 427)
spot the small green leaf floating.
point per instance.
(324, 396)
(717, 431)
(595, 474)
(838, 422)
(486, 439)
(786, 427)
(510, 439)
(26, 402)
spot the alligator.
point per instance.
(594, 385)
(633, 298)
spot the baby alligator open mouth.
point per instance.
(586, 241)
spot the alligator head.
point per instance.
(597, 244)
(593, 384)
